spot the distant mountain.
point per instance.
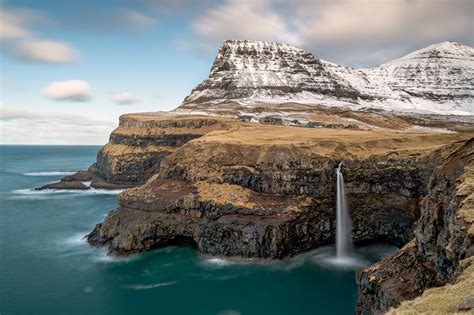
(438, 79)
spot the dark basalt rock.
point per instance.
(402, 276)
(129, 159)
(144, 141)
(129, 169)
(384, 208)
(65, 185)
(442, 239)
(290, 210)
(81, 176)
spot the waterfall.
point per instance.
(343, 226)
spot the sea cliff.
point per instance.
(257, 191)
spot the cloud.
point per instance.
(45, 51)
(110, 20)
(137, 20)
(7, 84)
(21, 42)
(20, 126)
(177, 7)
(353, 21)
(243, 19)
(124, 98)
(14, 23)
(351, 32)
(9, 113)
(70, 90)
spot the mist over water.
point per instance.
(47, 267)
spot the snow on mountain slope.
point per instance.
(442, 71)
(437, 79)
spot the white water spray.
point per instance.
(343, 226)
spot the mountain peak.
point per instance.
(435, 79)
(256, 43)
(447, 49)
(250, 55)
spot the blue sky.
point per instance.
(146, 55)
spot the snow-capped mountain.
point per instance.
(437, 79)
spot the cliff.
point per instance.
(137, 147)
(232, 193)
(442, 248)
(262, 191)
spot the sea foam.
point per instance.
(148, 286)
(49, 173)
(218, 262)
(45, 192)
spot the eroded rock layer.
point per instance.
(444, 238)
(266, 191)
(241, 189)
(137, 147)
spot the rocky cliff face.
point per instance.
(241, 189)
(137, 147)
(259, 202)
(443, 237)
(272, 196)
(246, 70)
(229, 192)
(248, 74)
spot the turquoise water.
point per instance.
(46, 267)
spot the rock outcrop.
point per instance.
(444, 237)
(270, 203)
(137, 147)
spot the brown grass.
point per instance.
(335, 142)
(122, 149)
(442, 300)
(223, 194)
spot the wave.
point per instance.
(49, 173)
(101, 255)
(148, 286)
(77, 239)
(218, 262)
(46, 192)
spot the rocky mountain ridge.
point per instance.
(438, 79)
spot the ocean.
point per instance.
(47, 267)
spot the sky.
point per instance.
(70, 68)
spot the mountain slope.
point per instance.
(437, 79)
